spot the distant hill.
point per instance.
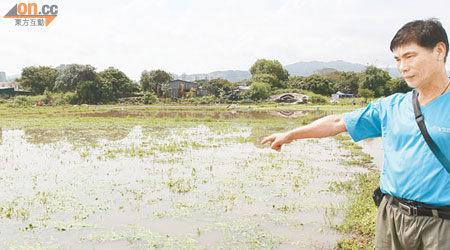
(309, 68)
(295, 69)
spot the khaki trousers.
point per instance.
(397, 230)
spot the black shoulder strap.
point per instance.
(419, 119)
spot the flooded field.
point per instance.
(168, 179)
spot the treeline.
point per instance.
(77, 84)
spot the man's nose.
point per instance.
(403, 67)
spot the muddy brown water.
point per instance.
(198, 187)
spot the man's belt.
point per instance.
(407, 207)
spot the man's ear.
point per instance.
(440, 50)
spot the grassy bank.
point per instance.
(360, 212)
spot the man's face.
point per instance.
(418, 65)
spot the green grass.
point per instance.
(360, 213)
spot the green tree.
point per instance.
(38, 79)
(366, 93)
(374, 79)
(146, 81)
(259, 91)
(149, 98)
(271, 79)
(397, 85)
(347, 82)
(72, 75)
(153, 81)
(115, 84)
(270, 67)
(318, 84)
(218, 87)
(88, 92)
(295, 82)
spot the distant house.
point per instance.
(12, 89)
(13, 85)
(179, 88)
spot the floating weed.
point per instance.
(180, 186)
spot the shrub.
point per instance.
(26, 101)
(316, 99)
(71, 97)
(259, 91)
(149, 98)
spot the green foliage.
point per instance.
(361, 215)
(71, 97)
(269, 67)
(271, 79)
(397, 85)
(149, 98)
(259, 91)
(25, 101)
(114, 84)
(88, 92)
(317, 99)
(203, 100)
(318, 84)
(346, 82)
(72, 75)
(218, 87)
(366, 93)
(38, 79)
(374, 79)
(295, 82)
(152, 81)
(282, 91)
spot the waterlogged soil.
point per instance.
(164, 179)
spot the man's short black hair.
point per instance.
(426, 33)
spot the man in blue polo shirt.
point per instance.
(412, 177)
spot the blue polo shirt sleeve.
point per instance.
(365, 122)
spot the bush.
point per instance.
(71, 97)
(259, 91)
(366, 93)
(26, 101)
(282, 91)
(316, 99)
(149, 98)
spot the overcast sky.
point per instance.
(201, 36)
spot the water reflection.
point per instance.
(91, 133)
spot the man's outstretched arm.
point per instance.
(327, 126)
